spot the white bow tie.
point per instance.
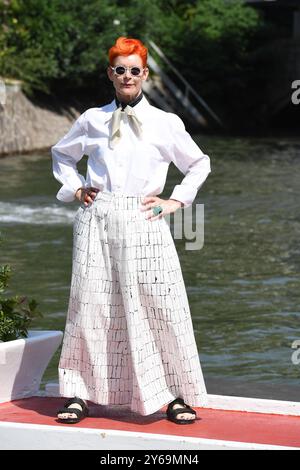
(136, 124)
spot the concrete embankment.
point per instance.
(27, 126)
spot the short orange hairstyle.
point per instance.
(127, 46)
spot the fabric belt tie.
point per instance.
(135, 123)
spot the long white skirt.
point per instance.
(129, 336)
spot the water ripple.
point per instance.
(12, 213)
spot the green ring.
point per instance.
(157, 210)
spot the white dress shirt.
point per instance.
(135, 166)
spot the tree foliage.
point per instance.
(62, 44)
(45, 40)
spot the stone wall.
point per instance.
(26, 126)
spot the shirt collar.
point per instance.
(141, 108)
(131, 103)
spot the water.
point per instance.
(243, 285)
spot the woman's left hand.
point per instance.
(168, 206)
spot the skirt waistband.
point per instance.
(120, 200)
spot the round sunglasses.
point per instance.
(134, 71)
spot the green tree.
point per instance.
(60, 46)
(213, 50)
(43, 41)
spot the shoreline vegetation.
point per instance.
(58, 51)
(33, 125)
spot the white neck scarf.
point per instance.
(134, 122)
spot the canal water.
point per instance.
(243, 284)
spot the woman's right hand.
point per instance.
(86, 195)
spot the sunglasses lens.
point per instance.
(120, 70)
(135, 71)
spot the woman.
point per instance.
(129, 336)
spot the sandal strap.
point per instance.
(185, 408)
(174, 413)
(75, 400)
(177, 401)
(71, 410)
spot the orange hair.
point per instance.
(126, 46)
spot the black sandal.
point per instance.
(79, 413)
(171, 413)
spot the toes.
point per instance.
(66, 415)
(184, 416)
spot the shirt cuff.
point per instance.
(67, 191)
(185, 194)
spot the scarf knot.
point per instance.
(135, 123)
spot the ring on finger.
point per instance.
(157, 210)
